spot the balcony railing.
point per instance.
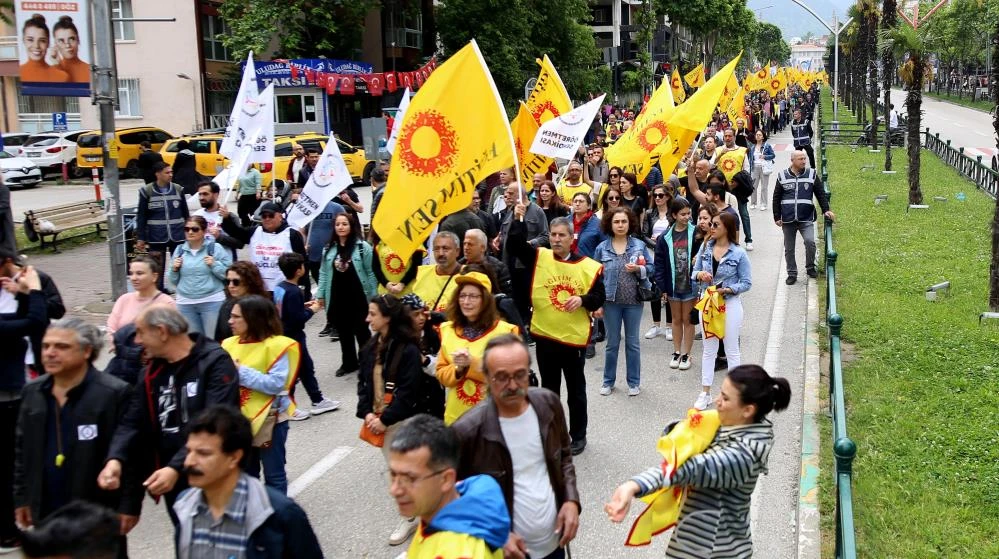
(8, 48)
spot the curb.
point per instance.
(809, 537)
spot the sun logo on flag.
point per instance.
(428, 144)
(394, 263)
(648, 139)
(541, 108)
(675, 82)
(774, 84)
(728, 165)
(244, 395)
(470, 392)
(559, 294)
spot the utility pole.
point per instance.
(105, 92)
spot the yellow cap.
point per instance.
(475, 278)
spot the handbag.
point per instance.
(369, 436)
(265, 435)
(649, 293)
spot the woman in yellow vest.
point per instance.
(472, 321)
(393, 274)
(268, 364)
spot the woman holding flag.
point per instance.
(717, 468)
(723, 270)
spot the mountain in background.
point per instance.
(794, 21)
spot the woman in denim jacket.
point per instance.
(725, 264)
(627, 266)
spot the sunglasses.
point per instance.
(613, 198)
(615, 175)
(192, 229)
(267, 215)
(231, 281)
(715, 225)
(660, 194)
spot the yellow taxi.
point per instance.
(89, 147)
(207, 159)
(360, 167)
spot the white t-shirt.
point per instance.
(534, 506)
(893, 116)
(214, 220)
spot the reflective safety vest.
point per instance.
(393, 268)
(470, 391)
(801, 133)
(555, 281)
(731, 161)
(437, 545)
(265, 249)
(262, 356)
(796, 204)
(164, 217)
(431, 286)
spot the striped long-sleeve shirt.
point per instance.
(714, 520)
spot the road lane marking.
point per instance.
(318, 470)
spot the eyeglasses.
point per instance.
(192, 229)
(660, 194)
(615, 174)
(407, 481)
(520, 377)
(469, 297)
(613, 198)
(267, 215)
(233, 281)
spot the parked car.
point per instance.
(19, 171)
(89, 148)
(49, 150)
(14, 140)
(359, 166)
(208, 161)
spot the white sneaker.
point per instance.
(749, 246)
(325, 406)
(634, 391)
(301, 414)
(668, 332)
(703, 401)
(652, 333)
(402, 532)
(684, 362)
(763, 207)
(674, 362)
(752, 206)
(606, 390)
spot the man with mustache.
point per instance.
(227, 513)
(521, 431)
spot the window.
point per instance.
(128, 98)
(160, 137)
(296, 108)
(601, 15)
(212, 27)
(123, 30)
(45, 103)
(282, 150)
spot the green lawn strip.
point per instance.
(67, 239)
(921, 394)
(965, 101)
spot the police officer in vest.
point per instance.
(794, 211)
(268, 241)
(566, 288)
(801, 130)
(160, 216)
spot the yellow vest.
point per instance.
(428, 286)
(731, 161)
(262, 356)
(554, 283)
(393, 267)
(566, 192)
(449, 545)
(469, 391)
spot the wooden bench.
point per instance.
(50, 222)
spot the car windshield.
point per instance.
(89, 141)
(5, 155)
(40, 141)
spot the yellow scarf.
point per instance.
(712, 307)
(262, 356)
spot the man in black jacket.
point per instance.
(147, 158)
(66, 422)
(268, 241)
(11, 267)
(186, 374)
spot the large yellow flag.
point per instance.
(454, 135)
(679, 94)
(638, 149)
(729, 92)
(777, 83)
(525, 128)
(547, 100)
(761, 78)
(737, 109)
(695, 77)
(697, 111)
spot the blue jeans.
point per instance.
(631, 316)
(273, 460)
(201, 317)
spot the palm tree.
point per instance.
(904, 41)
(994, 267)
(888, 22)
(869, 11)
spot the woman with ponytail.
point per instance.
(714, 519)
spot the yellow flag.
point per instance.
(637, 150)
(695, 77)
(680, 139)
(678, 92)
(776, 83)
(454, 135)
(729, 92)
(737, 109)
(549, 97)
(761, 79)
(697, 111)
(525, 128)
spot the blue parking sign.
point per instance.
(59, 123)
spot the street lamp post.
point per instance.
(194, 95)
(835, 29)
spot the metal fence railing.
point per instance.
(981, 173)
(844, 449)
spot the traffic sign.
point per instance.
(59, 123)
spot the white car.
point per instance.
(19, 171)
(49, 150)
(13, 140)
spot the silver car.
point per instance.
(18, 171)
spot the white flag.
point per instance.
(237, 166)
(328, 179)
(561, 136)
(246, 100)
(263, 122)
(397, 123)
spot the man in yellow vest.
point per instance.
(573, 183)
(434, 282)
(566, 288)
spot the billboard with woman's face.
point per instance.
(54, 41)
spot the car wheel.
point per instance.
(366, 175)
(75, 171)
(132, 169)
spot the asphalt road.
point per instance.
(964, 127)
(340, 481)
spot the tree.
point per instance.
(869, 11)
(560, 29)
(994, 266)
(303, 28)
(904, 41)
(808, 37)
(768, 44)
(710, 21)
(7, 11)
(641, 78)
(889, 19)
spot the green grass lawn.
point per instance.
(965, 101)
(921, 392)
